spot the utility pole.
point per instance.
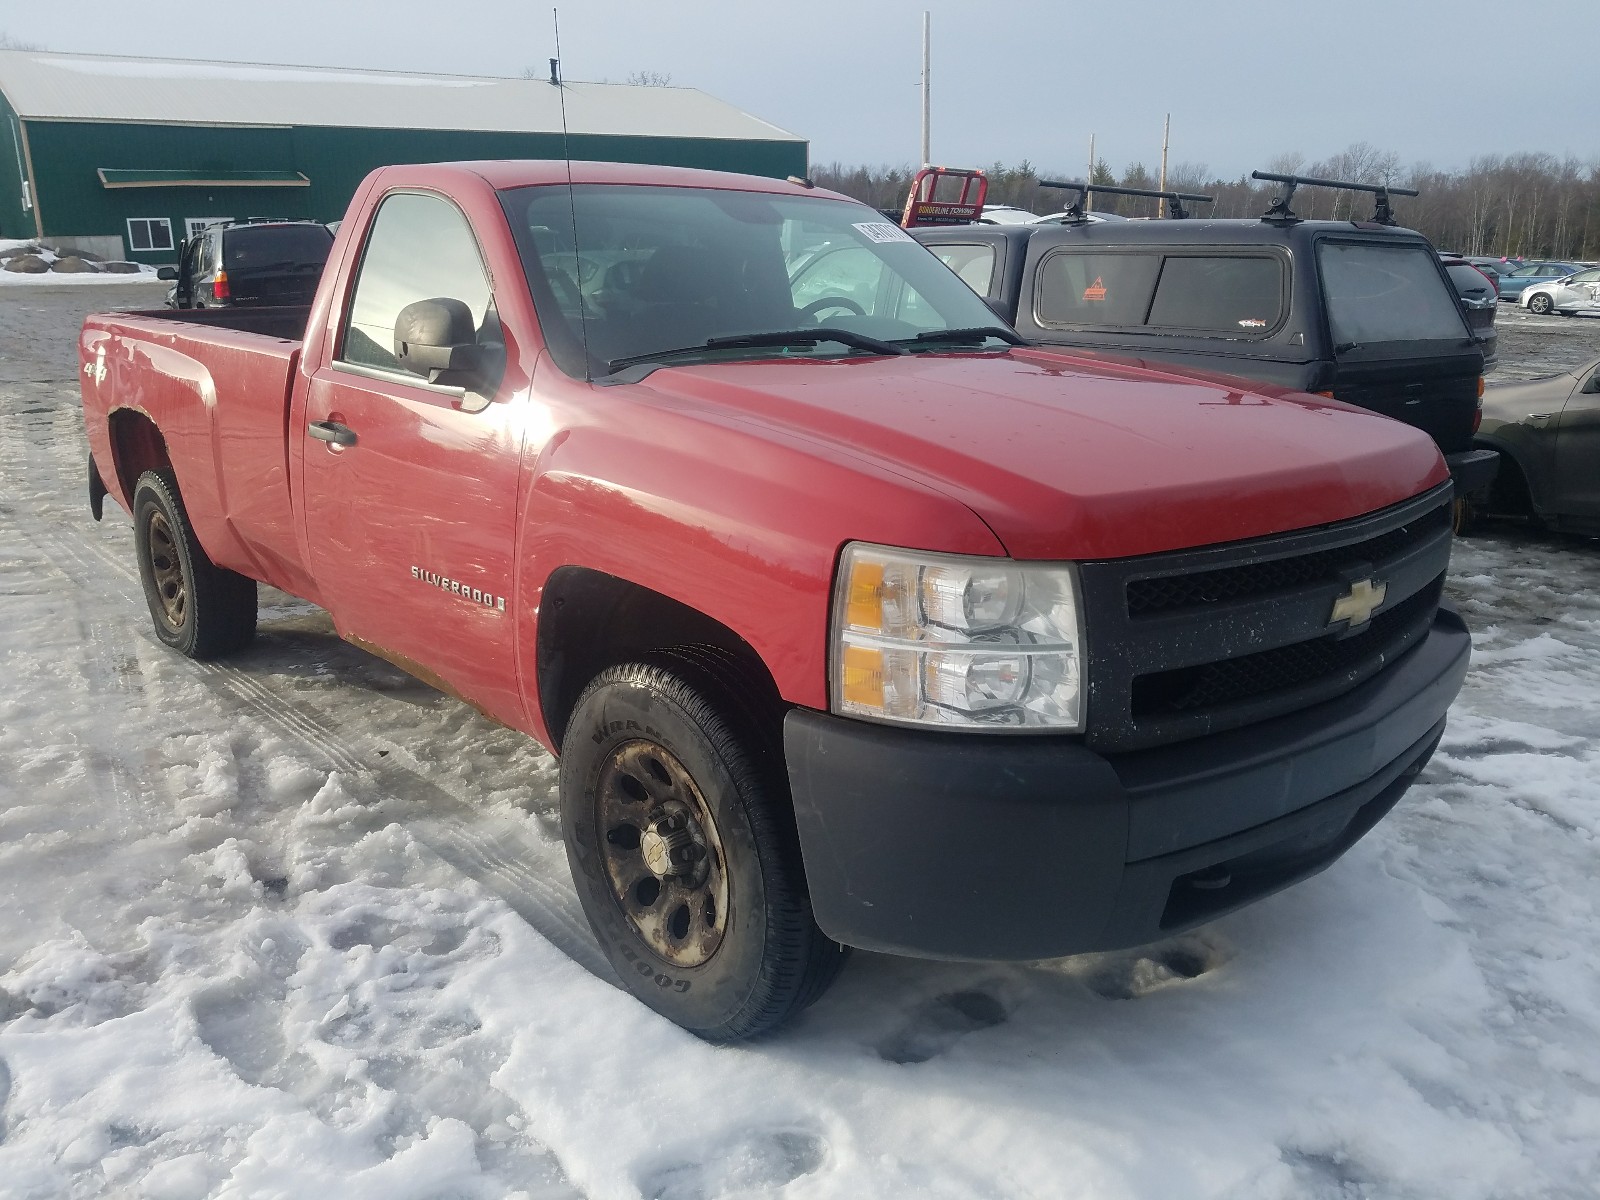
(1166, 136)
(927, 37)
(1088, 197)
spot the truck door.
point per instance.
(411, 512)
(1401, 344)
(1578, 451)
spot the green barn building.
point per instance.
(127, 156)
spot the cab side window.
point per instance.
(420, 247)
(975, 264)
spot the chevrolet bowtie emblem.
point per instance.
(1358, 604)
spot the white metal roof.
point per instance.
(94, 87)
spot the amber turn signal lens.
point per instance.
(866, 595)
(863, 676)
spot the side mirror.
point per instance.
(435, 337)
(167, 273)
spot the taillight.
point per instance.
(1477, 415)
(219, 286)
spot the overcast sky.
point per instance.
(1435, 81)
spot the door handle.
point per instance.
(332, 433)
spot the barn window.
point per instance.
(149, 233)
(193, 225)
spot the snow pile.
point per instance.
(298, 926)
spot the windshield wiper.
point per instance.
(778, 337)
(976, 334)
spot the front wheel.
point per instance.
(1541, 304)
(199, 609)
(685, 858)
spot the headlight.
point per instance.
(957, 642)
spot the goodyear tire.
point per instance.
(1540, 304)
(199, 609)
(685, 855)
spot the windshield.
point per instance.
(1381, 293)
(662, 268)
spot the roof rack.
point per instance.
(1075, 213)
(1279, 210)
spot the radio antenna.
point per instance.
(572, 202)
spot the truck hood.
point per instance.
(1066, 457)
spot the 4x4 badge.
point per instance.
(1358, 604)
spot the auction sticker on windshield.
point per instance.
(881, 231)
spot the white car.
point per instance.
(1005, 214)
(1568, 296)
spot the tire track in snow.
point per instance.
(526, 873)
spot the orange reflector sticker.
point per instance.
(866, 596)
(1096, 290)
(863, 676)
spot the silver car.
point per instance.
(1569, 296)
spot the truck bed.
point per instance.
(216, 384)
(287, 323)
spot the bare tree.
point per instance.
(649, 78)
(1500, 205)
(7, 42)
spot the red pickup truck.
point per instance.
(853, 621)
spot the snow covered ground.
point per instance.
(297, 926)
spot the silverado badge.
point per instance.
(454, 586)
(1359, 603)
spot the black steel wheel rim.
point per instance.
(166, 570)
(662, 853)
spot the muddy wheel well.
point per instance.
(589, 620)
(136, 447)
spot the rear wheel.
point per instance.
(685, 855)
(1541, 304)
(199, 608)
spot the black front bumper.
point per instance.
(1472, 471)
(974, 846)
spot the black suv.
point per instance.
(249, 263)
(1358, 310)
